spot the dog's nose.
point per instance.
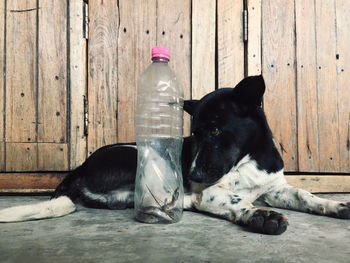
(196, 176)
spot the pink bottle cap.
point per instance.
(159, 51)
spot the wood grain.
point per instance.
(254, 37)
(137, 36)
(321, 183)
(52, 79)
(21, 157)
(308, 149)
(174, 32)
(278, 59)
(203, 47)
(327, 104)
(230, 42)
(78, 83)
(2, 156)
(21, 71)
(52, 157)
(343, 81)
(47, 182)
(29, 182)
(102, 75)
(2, 88)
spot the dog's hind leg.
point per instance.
(117, 199)
(238, 209)
(289, 197)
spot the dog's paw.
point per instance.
(343, 211)
(268, 222)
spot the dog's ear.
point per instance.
(250, 90)
(190, 105)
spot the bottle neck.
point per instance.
(160, 60)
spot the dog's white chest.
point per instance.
(246, 177)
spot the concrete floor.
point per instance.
(91, 235)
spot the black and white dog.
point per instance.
(228, 163)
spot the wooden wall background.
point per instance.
(56, 70)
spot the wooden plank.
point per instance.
(254, 37)
(102, 75)
(29, 182)
(21, 157)
(203, 47)
(78, 73)
(52, 157)
(343, 80)
(328, 119)
(2, 156)
(174, 32)
(47, 182)
(52, 79)
(308, 151)
(21, 71)
(137, 36)
(230, 42)
(279, 72)
(2, 81)
(321, 183)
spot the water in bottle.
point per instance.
(159, 137)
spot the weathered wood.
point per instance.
(102, 75)
(321, 183)
(279, 72)
(254, 37)
(2, 156)
(174, 32)
(230, 42)
(52, 157)
(137, 36)
(2, 88)
(21, 157)
(29, 182)
(203, 47)
(343, 81)
(52, 75)
(308, 151)
(77, 84)
(328, 118)
(47, 182)
(21, 71)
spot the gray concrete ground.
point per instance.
(91, 235)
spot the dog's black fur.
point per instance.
(229, 162)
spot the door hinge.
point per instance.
(85, 20)
(245, 25)
(86, 116)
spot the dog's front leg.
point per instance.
(234, 207)
(290, 197)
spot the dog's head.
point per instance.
(226, 125)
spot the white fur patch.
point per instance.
(193, 165)
(248, 180)
(112, 196)
(93, 196)
(127, 145)
(53, 208)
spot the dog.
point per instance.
(229, 163)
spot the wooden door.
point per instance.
(204, 38)
(62, 99)
(303, 61)
(42, 88)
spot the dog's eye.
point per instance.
(215, 131)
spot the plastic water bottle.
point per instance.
(159, 137)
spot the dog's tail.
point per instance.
(60, 204)
(57, 207)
